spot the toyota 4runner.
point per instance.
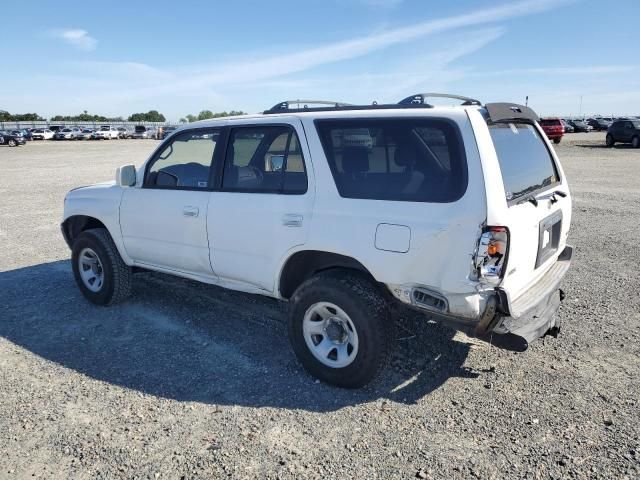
(346, 212)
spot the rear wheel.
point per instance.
(635, 142)
(340, 328)
(100, 272)
(556, 140)
(609, 140)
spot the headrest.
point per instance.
(405, 155)
(355, 159)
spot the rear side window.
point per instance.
(525, 162)
(264, 159)
(412, 160)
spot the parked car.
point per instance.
(105, 132)
(553, 128)
(624, 131)
(12, 139)
(124, 132)
(166, 131)
(41, 134)
(85, 134)
(423, 223)
(568, 128)
(599, 124)
(580, 126)
(67, 134)
(25, 133)
(143, 131)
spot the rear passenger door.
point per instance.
(263, 207)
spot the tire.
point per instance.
(635, 142)
(609, 140)
(341, 293)
(556, 140)
(115, 284)
(12, 143)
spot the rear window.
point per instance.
(140, 129)
(550, 122)
(525, 162)
(413, 160)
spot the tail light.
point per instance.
(491, 255)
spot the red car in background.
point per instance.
(553, 128)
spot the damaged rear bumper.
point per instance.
(515, 325)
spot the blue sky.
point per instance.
(118, 57)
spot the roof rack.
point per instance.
(419, 98)
(285, 105)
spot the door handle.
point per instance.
(190, 211)
(292, 220)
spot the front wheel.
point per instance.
(556, 140)
(609, 140)
(340, 328)
(635, 142)
(100, 272)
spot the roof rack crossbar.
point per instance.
(420, 98)
(284, 105)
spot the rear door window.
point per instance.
(413, 160)
(525, 161)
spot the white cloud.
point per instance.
(77, 38)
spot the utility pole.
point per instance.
(526, 101)
(580, 105)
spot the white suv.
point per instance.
(459, 212)
(106, 132)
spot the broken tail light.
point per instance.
(491, 255)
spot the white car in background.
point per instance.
(106, 132)
(67, 134)
(41, 134)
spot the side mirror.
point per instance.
(126, 176)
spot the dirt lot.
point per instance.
(191, 381)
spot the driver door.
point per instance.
(164, 220)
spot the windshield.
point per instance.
(525, 162)
(140, 129)
(104, 129)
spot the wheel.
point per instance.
(12, 143)
(635, 142)
(340, 328)
(556, 140)
(609, 140)
(102, 276)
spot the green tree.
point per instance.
(207, 114)
(150, 116)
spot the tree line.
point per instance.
(150, 116)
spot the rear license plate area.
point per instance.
(549, 237)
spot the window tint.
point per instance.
(415, 160)
(185, 162)
(264, 160)
(525, 162)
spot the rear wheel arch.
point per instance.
(302, 265)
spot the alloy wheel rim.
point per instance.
(330, 335)
(90, 268)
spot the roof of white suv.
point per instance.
(497, 112)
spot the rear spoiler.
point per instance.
(510, 112)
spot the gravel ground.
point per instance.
(191, 381)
